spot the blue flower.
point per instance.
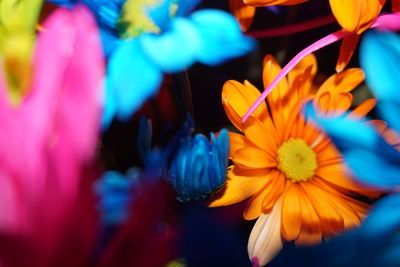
(115, 192)
(142, 41)
(372, 159)
(199, 166)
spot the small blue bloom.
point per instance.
(115, 192)
(199, 166)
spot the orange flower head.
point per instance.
(294, 177)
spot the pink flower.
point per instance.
(50, 138)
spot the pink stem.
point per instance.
(293, 28)
(384, 22)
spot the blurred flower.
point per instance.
(360, 142)
(115, 193)
(44, 153)
(17, 35)
(298, 185)
(144, 39)
(199, 166)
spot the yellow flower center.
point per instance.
(135, 20)
(297, 160)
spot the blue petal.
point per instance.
(371, 169)
(384, 217)
(65, 3)
(110, 106)
(221, 37)
(390, 111)
(175, 49)
(110, 41)
(379, 58)
(133, 77)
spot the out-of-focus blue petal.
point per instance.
(132, 76)
(354, 134)
(185, 6)
(371, 169)
(384, 217)
(174, 50)
(110, 106)
(65, 3)
(390, 111)
(221, 37)
(110, 41)
(380, 57)
(115, 195)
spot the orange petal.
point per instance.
(237, 141)
(344, 81)
(347, 13)
(271, 69)
(238, 188)
(363, 109)
(347, 48)
(311, 230)
(270, 191)
(356, 15)
(331, 220)
(349, 215)
(260, 136)
(243, 13)
(253, 158)
(265, 239)
(337, 174)
(291, 212)
(300, 79)
(237, 99)
(342, 103)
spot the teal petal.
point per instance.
(133, 78)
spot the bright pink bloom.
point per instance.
(48, 140)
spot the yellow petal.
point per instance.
(238, 188)
(265, 240)
(243, 13)
(347, 48)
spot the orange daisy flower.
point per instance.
(299, 188)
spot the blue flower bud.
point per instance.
(199, 166)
